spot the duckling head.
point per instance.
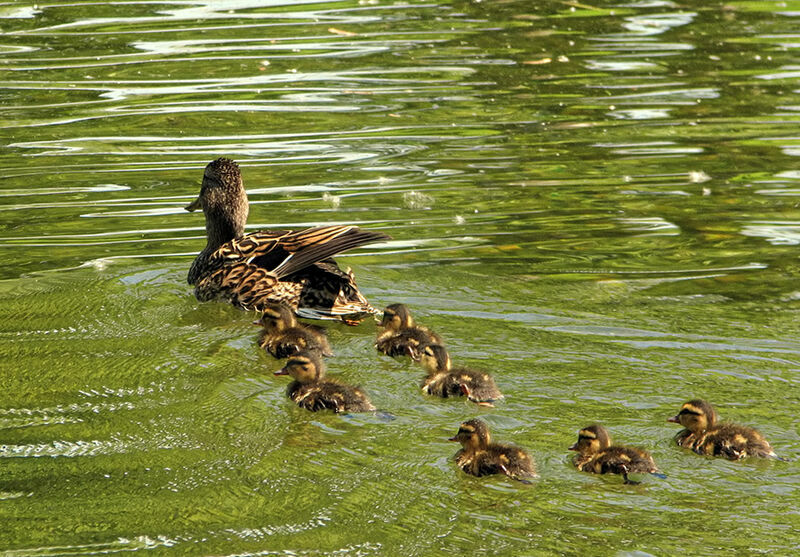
(473, 435)
(305, 367)
(696, 415)
(434, 358)
(277, 317)
(592, 439)
(396, 317)
(223, 201)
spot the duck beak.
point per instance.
(281, 371)
(674, 419)
(256, 322)
(453, 438)
(573, 447)
(194, 205)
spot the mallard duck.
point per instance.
(596, 454)
(445, 381)
(312, 391)
(480, 457)
(400, 335)
(294, 268)
(705, 436)
(283, 335)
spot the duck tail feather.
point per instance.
(321, 243)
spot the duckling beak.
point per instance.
(674, 419)
(256, 322)
(282, 371)
(194, 205)
(453, 438)
(573, 447)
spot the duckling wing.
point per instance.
(511, 461)
(476, 385)
(402, 343)
(331, 395)
(735, 442)
(623, 460)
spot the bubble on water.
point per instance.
(698, 176)
(333, 200)
(417, 200)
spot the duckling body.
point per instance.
(597, 455)
(284, 336)
(401, 336)
(445, 381)
(479, 456)
(312, 391)
(264, 267)
(703, 435)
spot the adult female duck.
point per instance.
(294, 268)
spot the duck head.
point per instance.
(277, 317)
(223, 201)
(397, 317)
(696, 415)
(473, 435)
(433, 358)
(592, 440)
(305, 367)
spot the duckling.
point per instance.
(400, 335)
(707, 437)
(312, 391)
(445, 381)
(480, 457)
(284, 336)
(596, 454)
(252, 270)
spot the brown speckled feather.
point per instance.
(727, 440)
(617, 459)
(268, 267)
(459, 381)
(497, 458)
(328, 394)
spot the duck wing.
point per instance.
(284, 252)
(288, 267)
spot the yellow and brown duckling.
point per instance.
(284, 335)
(252, 270)
(480, 457)
(597, 455)
(445, 381)
(707, 437)
(400, 335)
(312, 391)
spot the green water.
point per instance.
(598, 203)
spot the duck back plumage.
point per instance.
(287, 267)
(457, 382)
(617, 459)
(731, 441)
(327, 394)
(497, 458)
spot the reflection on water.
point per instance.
(596, 203)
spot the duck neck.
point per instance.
(221, 228)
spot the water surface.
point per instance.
(595, 202)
